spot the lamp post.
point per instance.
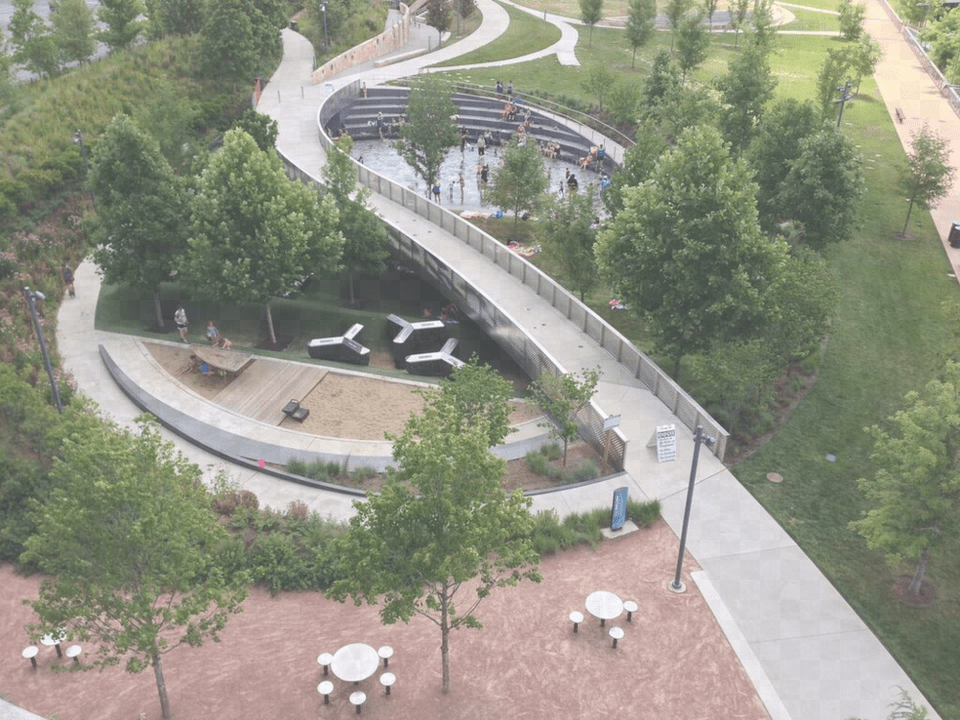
(844, 96)
(326, 37)
(32, 296)
(699, 436)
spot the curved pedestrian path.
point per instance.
(807, 652)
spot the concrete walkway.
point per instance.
(809, 655)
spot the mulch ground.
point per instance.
(674, 661)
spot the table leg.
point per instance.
(59, 653)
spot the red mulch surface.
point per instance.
(674, 661)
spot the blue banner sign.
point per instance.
(618, 515)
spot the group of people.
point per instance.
(212, 334)
(499, 89)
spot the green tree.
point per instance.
(476, 396)
(238, 39)
(709, 8)
(624, 105)
(562, 396)
(943, 37)
(569, 235)
(745, 90)
(255, 232)
(174, 17)
(664, 77)
(142, 219)
(638, 163)
(126, 541)
(429, 132)
(738, 378)
(927, 176)
(170, 117)
(865, 56)
(692, 45)
(687, 251)
(519, 183)
(914, 496)
(366, 244)
(913, 12)
(833, 73)
(122, 25)
(591, 11)
(824, 188)
(640, 25)
(262, 128)
(803, 294)
(851, 20)
(442, 534)
(73, 31)
(33, 43)
(439, 15)
(738, 18)
(774, 149)
(675, 11)
(599, 82)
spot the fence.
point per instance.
(525, 351)
(911, 36)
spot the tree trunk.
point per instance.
(161, 685)
(445, 640)
(676, 365)
(158, 308)
(921, 571)
(633, 62)
(909, 210)
(564, 452)
(350, 283)
(273, 335)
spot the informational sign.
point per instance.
(666, 443)
(618, 515)
(609, 423)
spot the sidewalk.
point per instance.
(808, 653)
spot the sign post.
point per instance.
(665, 438)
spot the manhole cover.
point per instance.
(775, 477)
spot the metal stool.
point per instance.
(576, 618)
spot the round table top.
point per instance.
(604, 605)
(616, 632)
(325, 688)
(576, 616)
(30, 651)
(630, 606)
(72, 651)
(358, 698)
(385, 652)
(355, 662)
(388, 679)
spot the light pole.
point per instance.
(845, 95)
(699, 436)
(32, 296)
(326, 37)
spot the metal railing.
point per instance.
(686, 409)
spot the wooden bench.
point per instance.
(900, 116)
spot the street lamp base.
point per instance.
(678, 588)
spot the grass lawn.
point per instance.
(813, 21)
(895, 325)
(524, 35)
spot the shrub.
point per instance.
(587, 471)
(297, 467)
(274, 561)
(298, 510)
(249, 500)
(362, 473)
(643, 514)
(538, 463)
(552, 451)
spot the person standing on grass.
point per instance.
(180, 318)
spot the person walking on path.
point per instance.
(461, 188)
(481, 145)
(67, 274)
(436, 191)
(180, 318)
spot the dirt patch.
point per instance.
(526, 662)
(519, 475)
(901, 591)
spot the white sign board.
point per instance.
(666, 443)
(611, 422)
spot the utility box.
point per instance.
(955, 235)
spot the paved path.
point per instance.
(808, 653)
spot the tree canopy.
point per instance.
(121, 24)
(640, 25)
(927, 175)
(569, 234)
(687, 252)
(142, 220)
(443, 533)
(591, 11)
(256, 233)
(519, 183)
(914, 495)
(126, 541)
(429, 133)
(365, 240)
(73, 31)
(562, 396)
(745, 90)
